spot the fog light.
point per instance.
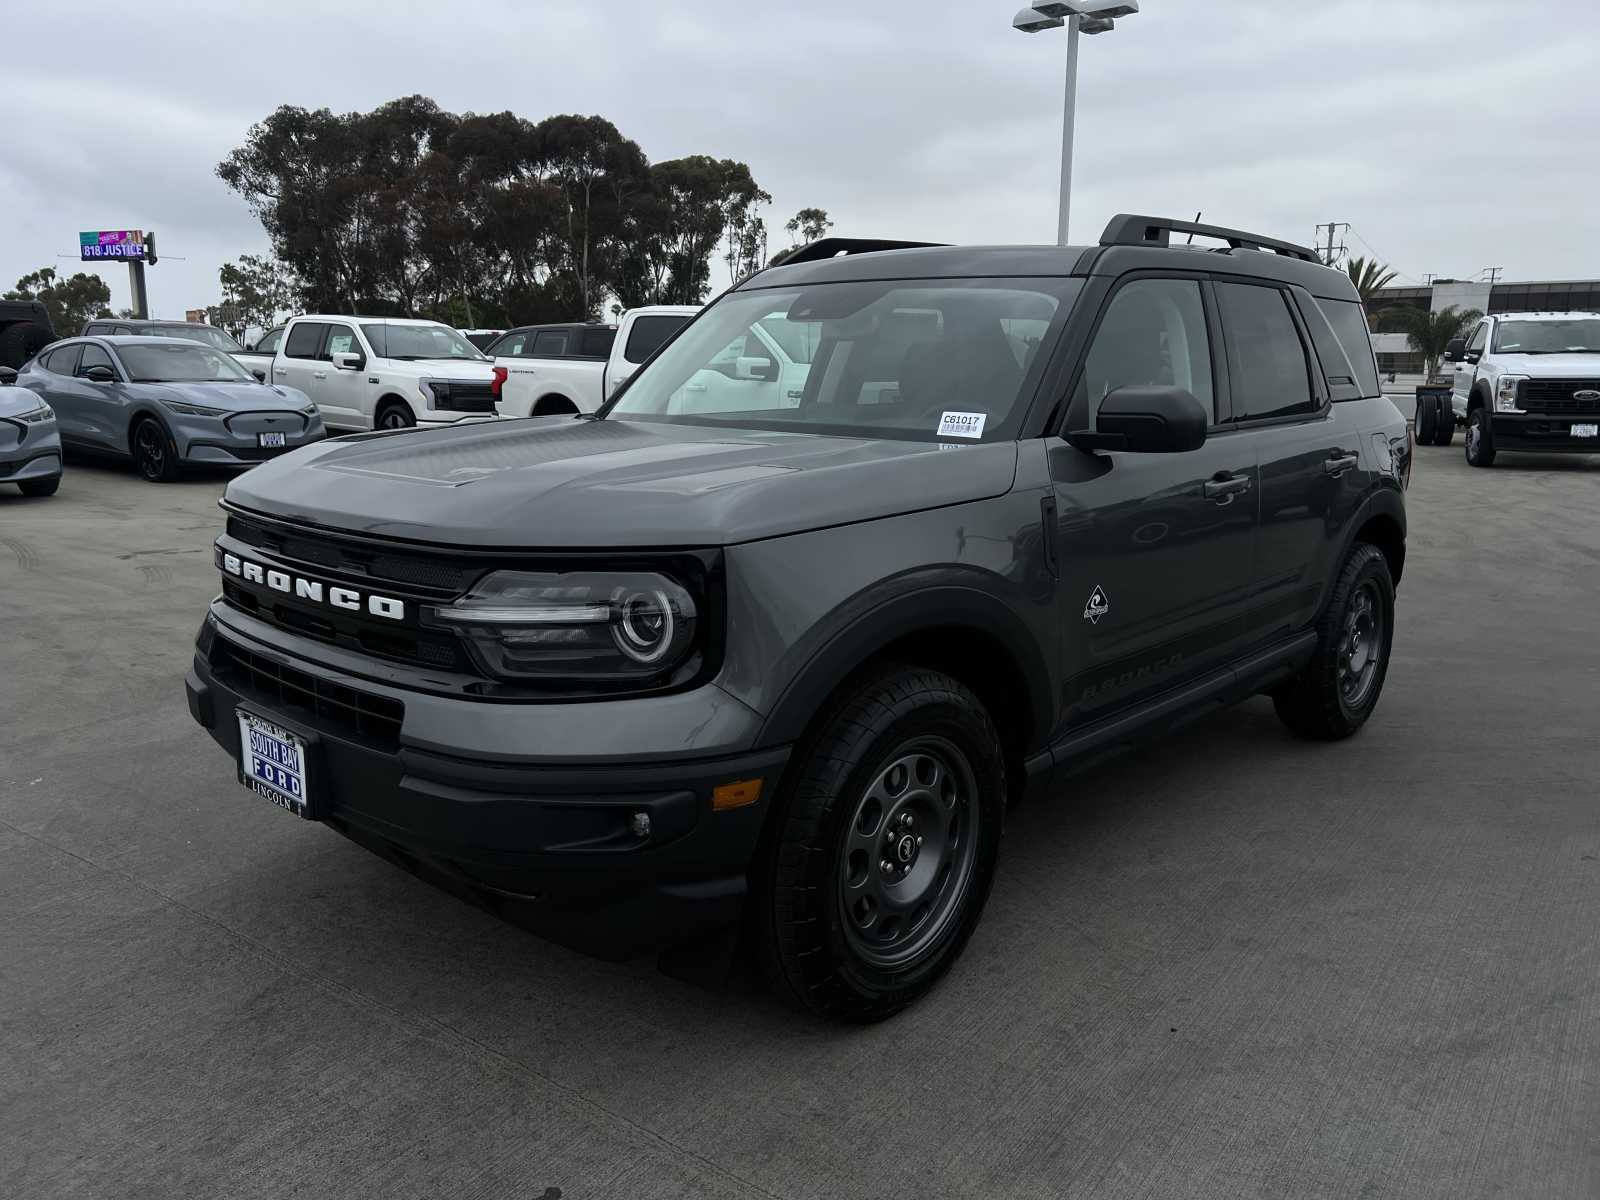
(736, 794)
(639, 823)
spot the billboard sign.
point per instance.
(101, 244)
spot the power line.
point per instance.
(1384, 258)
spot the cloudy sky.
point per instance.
(1452, 135)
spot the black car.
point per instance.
(639, 676)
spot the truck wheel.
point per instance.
(1335, 693)
(395, 414)
(553, 405)
(1444, 426)
(1423, 421)
(154, 455)
(881, 848)
(20, 342)
(1480, 442)
(40, 487)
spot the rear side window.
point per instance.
(304, 340)
(1268, 371)
(596, 343)
(647, 334)
(552, 343)
(63, 361)
(1350, 327)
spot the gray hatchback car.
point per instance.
(30, 448)
(882, 542)
(166, 404)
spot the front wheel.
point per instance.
(882, 847)
(154, 455)
(1337, 690)
(1480, 441)
(395, 415)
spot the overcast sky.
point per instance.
(1452, 135)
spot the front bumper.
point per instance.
(1538, 433)
(551, 842)
(28, 451)
(234, 440)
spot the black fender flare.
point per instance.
(864, 635)
(1385, 501)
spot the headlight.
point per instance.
(615, 627)
(309, 410)
(38, 416)
(1505, 393)
(191, 410)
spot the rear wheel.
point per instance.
(1480, 441)
(1335, 693)
(882, 847)
(395, 414)
(40, 487)
(154, 455)
(1423, 421)
(1444, 429)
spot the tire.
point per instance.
(20, 342)
(40, 487)
(394, 414)
(154, 455)
(1423, 421)
(1444, 426)
(837, 933)
(1480, 438)
(1335, 693)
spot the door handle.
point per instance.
(1338, 464)
(319, 374)
(694, 387)
(1225, 487)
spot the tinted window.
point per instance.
(647, 334)
(304, 340)
(550, 343)
(1153, 334)
(63, 361)
(269, 343)
(341, 340)
(93, 356)
(1267, 366)
(509, 346)
(596, 343)
(1350, 327)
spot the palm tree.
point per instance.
(1368, 274)
(1428, 333)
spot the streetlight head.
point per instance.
(1096, 24)
(1088, 8)
(1031, 20)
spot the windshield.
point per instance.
(181, 363)
(916, 360)
(419, 341)
(1578, 336)
(203, 334)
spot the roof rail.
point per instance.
(1126, 229)
(832, 247)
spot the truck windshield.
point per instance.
(419, 341)
(914, 360)
(181, 362)
(1578, 336)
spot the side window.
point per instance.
(97, 329)
(341, 340)
(552, 343)
(63, 361)
(1268, 371)
(1153, 334)
(124, 331)
(509, 346)
(304, 340)
(1480, 339)
(1350, 327)
(596, 343)
(269, 344)
(647, 335)
(93, 356)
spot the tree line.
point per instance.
(483, 219)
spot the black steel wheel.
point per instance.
(395, 415)
(881, 846)
(1480, 441)
(1422, 422)
(1338, 689)
(1444, 425)
(154, 455)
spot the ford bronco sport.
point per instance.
(643, 673)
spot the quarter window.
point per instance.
(1350, 327)
(1153, 334)
(304, 340)
(1268, 372)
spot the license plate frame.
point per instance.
(275, 440)
(1585, 429)
(276, 763)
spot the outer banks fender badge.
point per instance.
(1097, 607)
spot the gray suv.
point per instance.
(777, 649)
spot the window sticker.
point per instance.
(961, 424)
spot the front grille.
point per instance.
(333, 555)
(465, 397)
(1556, 395)
(367, 718)
(406, 644)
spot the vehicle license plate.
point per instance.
(1586, 430)
(270, 439)
(272, 763)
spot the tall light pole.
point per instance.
(1079, 16)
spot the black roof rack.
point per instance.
(832, 247)
(1126, 229)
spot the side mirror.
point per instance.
(349, 362)
(8, 375)
(100, 374)
(763, 369)
(1455, 349)
(260, 373)
(1147, 420)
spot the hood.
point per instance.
(1550, 366)
(16, 400)
(559, 483)
(235, 397)
(467, 369)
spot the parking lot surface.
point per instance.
(1233, 965)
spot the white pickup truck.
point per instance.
(540, 370)
(385, 373)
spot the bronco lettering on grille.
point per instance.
(310, 589)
